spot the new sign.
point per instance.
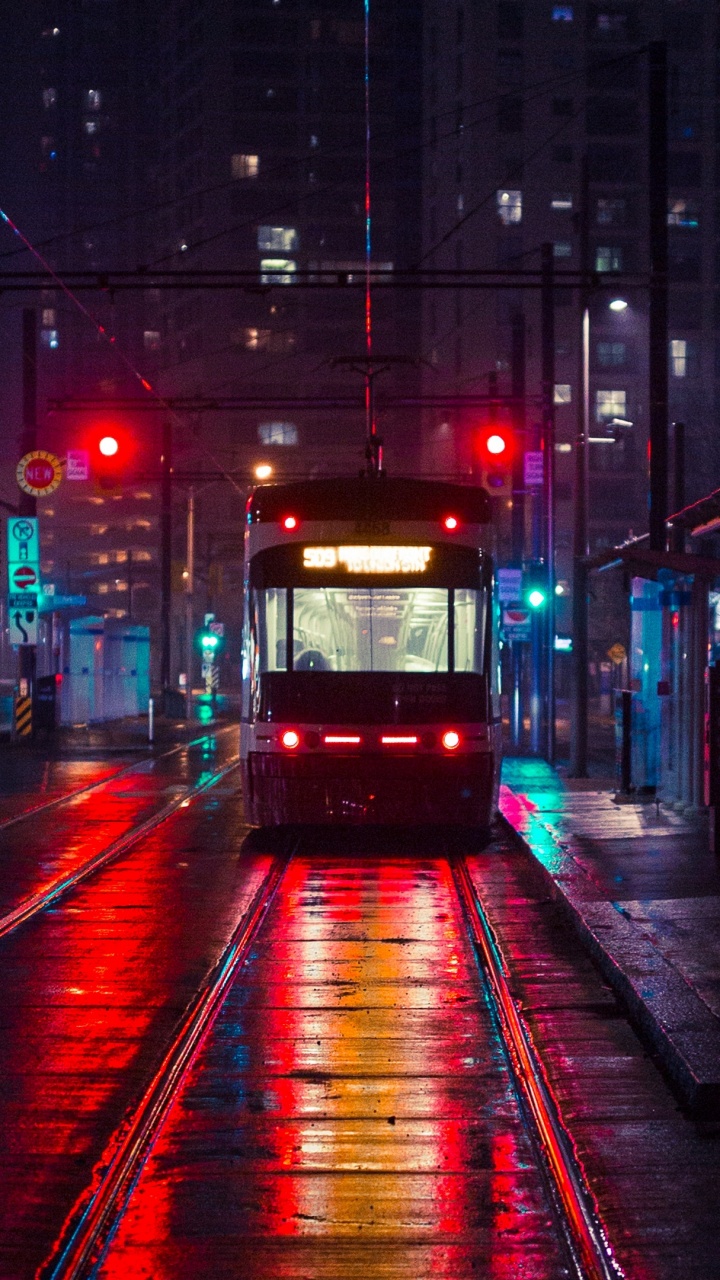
(39, 473)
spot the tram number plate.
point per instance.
(372, 528)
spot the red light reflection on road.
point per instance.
(351, 1103)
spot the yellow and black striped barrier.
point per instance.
(23, 717)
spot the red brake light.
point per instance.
(451, 739)
(290, 522)
(399, 740)
(342, 739)
(290, 739)
(451, 523)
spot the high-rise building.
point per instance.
(519, 98)
(73, 164)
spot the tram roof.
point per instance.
(370, 498)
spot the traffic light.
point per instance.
(109, 458)
(495, 447)
(535, 587)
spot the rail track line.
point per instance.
(100, 782)
(94, 1222)
(80, 1247)
(37, 902)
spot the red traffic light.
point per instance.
(495, 445)
(110, 453)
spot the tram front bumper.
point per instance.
(369, 788)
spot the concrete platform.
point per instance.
(642, 890)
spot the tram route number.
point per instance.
(372, 529)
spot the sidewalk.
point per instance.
(642, 890)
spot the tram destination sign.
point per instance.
(368, 559)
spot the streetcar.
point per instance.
(370, 685)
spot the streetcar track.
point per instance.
(94, 1221)
(580, 1219)
(80, 1247)
(110, 777)
(37, 902)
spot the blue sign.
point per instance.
(50, 604)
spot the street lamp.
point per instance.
(263, 471)
(618, 304)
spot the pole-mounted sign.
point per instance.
(23, 556)
(39, 473)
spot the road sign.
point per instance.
(516, 623)
(22, 600)
(509, 582)
(533, 469)
(23, 577)
(23, 626)
(23, 543)
(39, 473)
(78, 465)
(217, 628)
(208, 619)
(53, 603)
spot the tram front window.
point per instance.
(398, 629)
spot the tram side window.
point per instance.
(272, 628)
(470, 628)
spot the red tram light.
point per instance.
(290, 523)
(342, 739)
(451, 523)
(451, 739)
(290, 739)
(399, 740)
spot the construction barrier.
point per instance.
(23, 717)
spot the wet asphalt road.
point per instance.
(351, 1110)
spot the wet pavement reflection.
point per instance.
(50, 845)
(91, 992)
(351, 1112)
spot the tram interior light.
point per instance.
(618, 304)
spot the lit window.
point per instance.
(277, 239)
(102, 557)
(611, 212)
(610, 404)
(50, 338)
(93, 100)
(151, 340)
(678, 357)
(608, 258)
(562, 203)
(283, 433)
(682, 213)
(562, 249)
(244, 166)
(90, 126)
(562, 13)
(49, 97)
(103, 588)
(251, 339)
(48, 317)
(509, 207)
(611, 354)
(563, 393)
(277, 270)
(142, 555)
(609, 24)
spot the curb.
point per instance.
(667, 1013)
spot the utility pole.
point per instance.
(189, 588)
(658, 207)
(28, 441)
(518, 513)
(165, 562)
(547, 303)
(678, 533)
(579, 691)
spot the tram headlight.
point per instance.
(290, 739)
(451, 739)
